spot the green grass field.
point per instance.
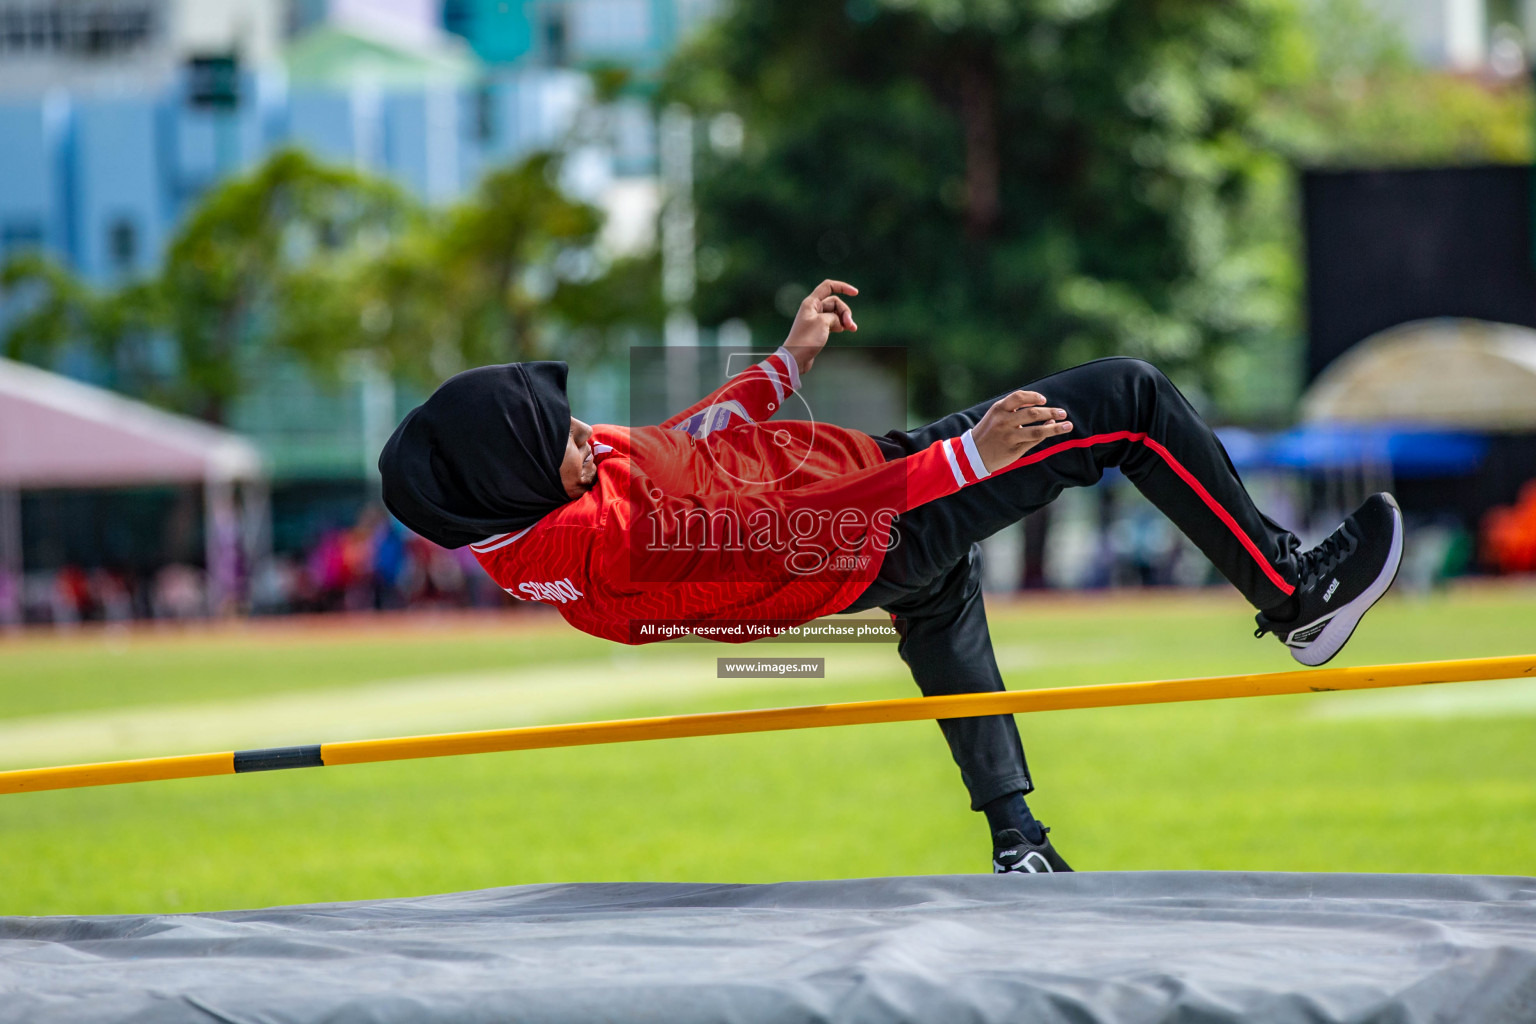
(1439, 779)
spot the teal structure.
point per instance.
(637, 34)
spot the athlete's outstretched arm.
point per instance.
(821, 314)
(757, 393)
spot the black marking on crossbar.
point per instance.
(270, 759)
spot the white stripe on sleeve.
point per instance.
(774, 377)
(977, 466)
(790, 365)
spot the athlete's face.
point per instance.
(578, 471)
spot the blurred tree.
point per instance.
(1015, 185)
(511, 273)
(307, 261)
(48, 306)
(242, 271)
(1359, 99)
(51, 309)
(493, 265)
(241, 275)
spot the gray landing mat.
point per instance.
(1135, 946)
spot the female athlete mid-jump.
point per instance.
(717, 517)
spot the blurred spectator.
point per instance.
(1509, 534)
(111, 596)
(375, 564)
(1434, 553)
(10, 599)
(178, 593)
(389, 563)
(1144, 547)
(277, 587)
(73, 599)
(443, 581)
(327, 564)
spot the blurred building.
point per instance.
(631, 33)
(1441, 33)
(120, 46)
(1463, 35)
(116, 116)
(99, 158)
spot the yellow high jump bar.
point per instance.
(968, 705)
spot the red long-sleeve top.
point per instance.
(717, 517)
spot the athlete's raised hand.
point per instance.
(820, 315)
(1015, 424)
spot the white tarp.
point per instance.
(1466, 374)
(1204, 947)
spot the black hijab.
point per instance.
(482, 455)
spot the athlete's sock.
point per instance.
(1012, 812)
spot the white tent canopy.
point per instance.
(1466, 374)
(56, 432)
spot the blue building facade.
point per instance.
(99, 179)
(100, 183)
(35, 194)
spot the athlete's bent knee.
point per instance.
(1138, 373)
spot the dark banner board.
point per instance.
(1387, 247)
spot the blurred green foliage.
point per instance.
(1014, 186)
(319, 263)
(1355, 98)
(57, 306)
(240, 271)
(1019, 185)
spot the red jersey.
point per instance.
(716, 517)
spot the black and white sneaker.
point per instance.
(1013, 854)
(1340, 579)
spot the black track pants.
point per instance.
(1124, 413)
